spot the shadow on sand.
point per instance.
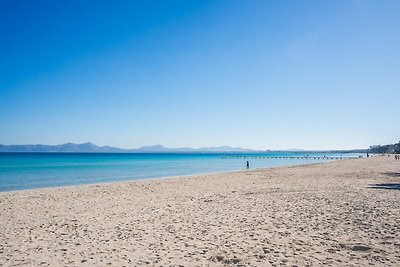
(385, 186)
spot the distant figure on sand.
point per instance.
(247, 165)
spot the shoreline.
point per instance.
(312, 214)
(167, 177)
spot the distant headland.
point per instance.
(92, 148)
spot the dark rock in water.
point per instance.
(361, 247)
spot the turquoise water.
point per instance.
(39, 170)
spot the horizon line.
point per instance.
(189, 147)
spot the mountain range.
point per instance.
(92, 148)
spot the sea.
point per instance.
(20, 171)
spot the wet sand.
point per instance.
(312, 215)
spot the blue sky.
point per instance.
(256, 74)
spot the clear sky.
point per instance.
(256, 74)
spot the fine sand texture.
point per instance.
(342, 213)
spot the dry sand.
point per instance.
(312, 215)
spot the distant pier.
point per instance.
(286, 157)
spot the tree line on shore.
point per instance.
(392, 148)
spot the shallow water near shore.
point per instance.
(19, 171)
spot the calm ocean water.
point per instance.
(39, 170)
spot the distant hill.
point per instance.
(379, 149)
(160, 148)
(92, 148)
(68, 147)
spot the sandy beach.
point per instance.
(342, 213)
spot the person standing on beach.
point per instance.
(247, 165)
